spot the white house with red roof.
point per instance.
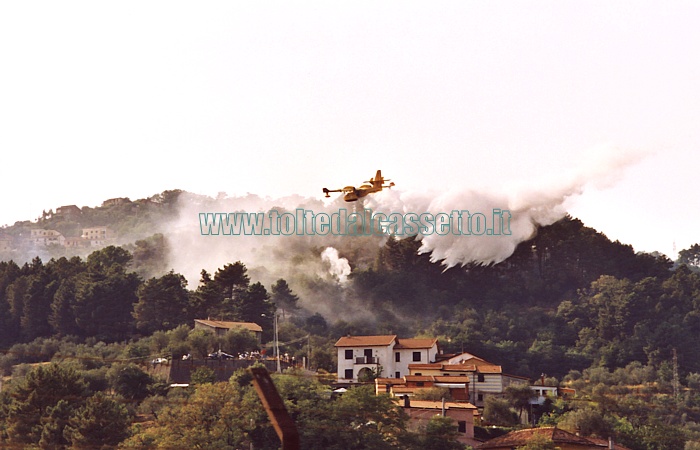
(386, 355)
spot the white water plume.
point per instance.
(530, 207)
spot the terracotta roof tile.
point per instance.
(461, 358)
(429, 404)
(365, 341)
(489, 369)
(425, 366)
(418, 378)
(250, 326)
(458, 367)
(520, 437)
(415, 343)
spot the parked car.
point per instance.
(220, 355)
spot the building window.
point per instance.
(416, 356)
(420, 383)
(462, 426)
(480, 378)
(418, 374)
(480, 397)
(397, 357)
(397, 375)
(348, 355)
(348, 374)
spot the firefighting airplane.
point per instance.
(352, 194)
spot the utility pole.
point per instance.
(308, 350)
(277, 346)
(275, 341)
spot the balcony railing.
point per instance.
(366, 360)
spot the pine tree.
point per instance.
(100, 422)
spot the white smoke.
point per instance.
(339, 267)
(530, 207)
(310, 263)
(316, 277)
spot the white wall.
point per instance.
(383, 353)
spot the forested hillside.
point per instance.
(569, 303)
(564, 300)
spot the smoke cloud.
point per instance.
(317, 267)
(339, 267)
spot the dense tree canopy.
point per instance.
(44, 400)
(162, 304)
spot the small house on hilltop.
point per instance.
(68, 211)
(220, 327)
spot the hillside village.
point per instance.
(418, 367)
(38, 236)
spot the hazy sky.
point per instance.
(130, 98)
